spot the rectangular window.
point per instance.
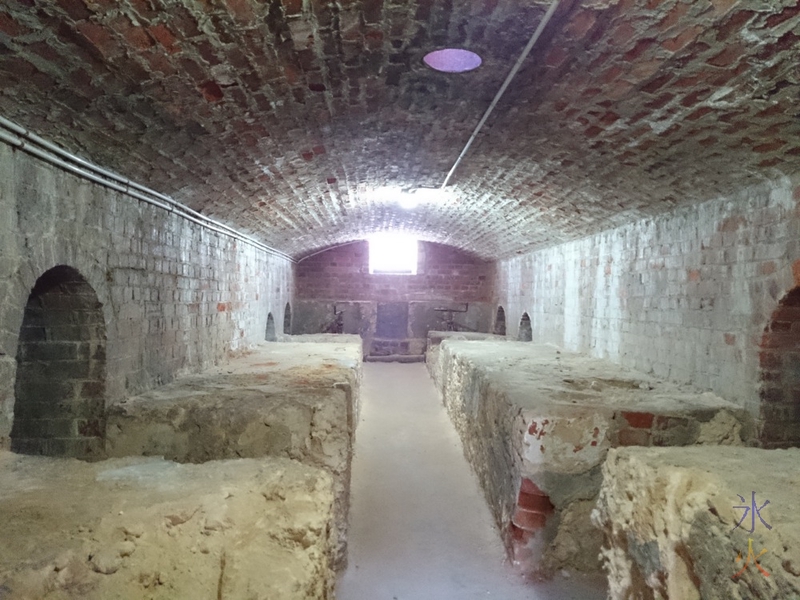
(393, 254)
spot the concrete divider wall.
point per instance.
(536, 424)
(295, 399)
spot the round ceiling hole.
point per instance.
(452, 60)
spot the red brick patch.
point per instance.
(528, 487)
(535, 502)
(638, 420)
(9, 26)
(529, 520)
(164, 37)
(211, 91)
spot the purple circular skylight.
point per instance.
(452, 60)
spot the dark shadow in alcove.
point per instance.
(287, 319)
(780, 375)
(525, 331)
(271, 335)
(61, 369)
(500, 321)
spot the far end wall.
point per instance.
(686, 296)
(335, 293)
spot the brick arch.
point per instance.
(287, 319)
(780, 375)
(60, 389)
(500, 321)
(271, 335)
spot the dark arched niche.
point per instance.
(780, 375)
(500, 321)
(60, 385)
(287, 319)
(525, 331)
(271, 335)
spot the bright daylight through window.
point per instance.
(393, 254)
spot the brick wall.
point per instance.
(336, 293)
(443, 273)
(687, 296)
(174, 297)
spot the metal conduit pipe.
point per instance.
(33, 144)
(534, 38)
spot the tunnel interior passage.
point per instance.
(780, 375)
(61, 364)
(525, 331)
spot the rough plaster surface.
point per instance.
(537, 423)
(288, 399)
(669, 518)
(684, 296)
(176, 298)
(140, 528)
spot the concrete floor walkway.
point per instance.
(419, 526)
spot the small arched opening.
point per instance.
(271, 335)
(500, 321)
(287, 319)
(525, 331)
(780, 375)
(60, 385)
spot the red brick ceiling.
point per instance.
(279, 116)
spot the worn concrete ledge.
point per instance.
(537, 423)
(669, 518)
(435, 338)
(401, 358)
(294, 399)
(321, 338)
(138, 528)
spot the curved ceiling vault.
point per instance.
(281, 117)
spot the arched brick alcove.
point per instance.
(61, 369)
(525, 331)
(780, 375)
(287, 319)
(271, 336)
(500, 321)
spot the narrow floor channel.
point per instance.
(419, 526)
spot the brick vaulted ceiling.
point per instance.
(281, 116)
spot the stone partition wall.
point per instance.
(175, 297)
(686, 296)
